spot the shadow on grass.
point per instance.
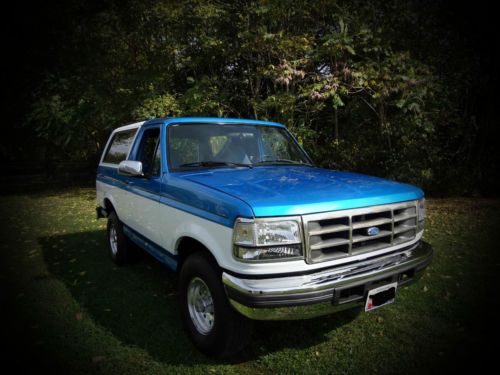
(139, 305)
(42, 186)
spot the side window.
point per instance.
(149, 152)
(119, 146)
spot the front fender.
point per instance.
(215, 237)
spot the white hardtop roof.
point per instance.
(135, 125)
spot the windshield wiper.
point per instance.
(211, 163)
(287, 161)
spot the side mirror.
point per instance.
(130, 168)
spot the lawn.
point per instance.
(70, 309)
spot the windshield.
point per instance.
(232, 145)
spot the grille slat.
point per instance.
(404, 228)
(371, 223)
(330, 243)
(404, 217)
(329, 229)
(404, 214)
(372, 246)
(338, 234)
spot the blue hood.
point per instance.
(290, 190)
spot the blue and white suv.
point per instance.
(256, 231)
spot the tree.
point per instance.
(354, 80)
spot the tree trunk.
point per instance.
(382, 123)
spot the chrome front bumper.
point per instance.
(334, 289)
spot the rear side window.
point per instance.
(119, 146)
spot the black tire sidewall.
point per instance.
(215, 342)
(120, 257)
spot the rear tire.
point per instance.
(215, 328)
(121, 249)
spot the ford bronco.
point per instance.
(254, 228)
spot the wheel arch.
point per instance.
(108, 205)
(187, 245)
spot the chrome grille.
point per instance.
(338, 234)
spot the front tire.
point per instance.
(213, 325)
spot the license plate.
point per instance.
(381, 296)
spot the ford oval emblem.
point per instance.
(373, 231)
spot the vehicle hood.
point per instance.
(298, 190)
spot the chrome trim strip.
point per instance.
(292, 313)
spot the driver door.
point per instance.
(144, 193)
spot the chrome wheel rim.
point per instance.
(200, 305)
(113, 240)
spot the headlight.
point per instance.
(421, 214)
(267, 239)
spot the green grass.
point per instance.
(70, 309)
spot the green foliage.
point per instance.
(159, 106)
(364, 85)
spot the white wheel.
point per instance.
(113, 240)
(200, 305)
